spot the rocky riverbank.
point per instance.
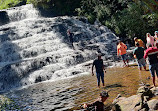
(145, 100)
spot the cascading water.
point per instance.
(35, 49)
(21, 13)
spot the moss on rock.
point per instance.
(7, 104)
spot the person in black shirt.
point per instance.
(99, 66)
(99, 103)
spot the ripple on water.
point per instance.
(71, 93)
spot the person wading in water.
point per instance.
(99, 66)
(121, 50)
(152, 53)
(138, 53)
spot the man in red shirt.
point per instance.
(152, 53)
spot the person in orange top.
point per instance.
(139, 41)
(121, 50)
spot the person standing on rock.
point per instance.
(121, 50)
(141, 43)
(138, 53)
(70, 35)
(152, 53)
(100, 69)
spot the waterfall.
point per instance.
(35, 49)
(22, 12)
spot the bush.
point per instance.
(91, 18)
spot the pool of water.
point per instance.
(70, 94)
(124, 81)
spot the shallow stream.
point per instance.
(69, 94)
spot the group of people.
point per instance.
(141, 52)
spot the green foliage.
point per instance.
(103, 10)
(61, 7)
(125, 17)
(151, 19)
(150, 6)
(42, 3)
(91, 18)
(130, 21)
(4, 4)
(135, 23)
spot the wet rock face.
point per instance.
(38, 79)
(3, 18)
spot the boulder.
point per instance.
(153, 104)
(3, 18)
(127, 104)
(155, 91)
(145, 91)
(137, 102)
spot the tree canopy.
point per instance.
(125, 18)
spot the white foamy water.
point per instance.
(35, 49)
(22, 12)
